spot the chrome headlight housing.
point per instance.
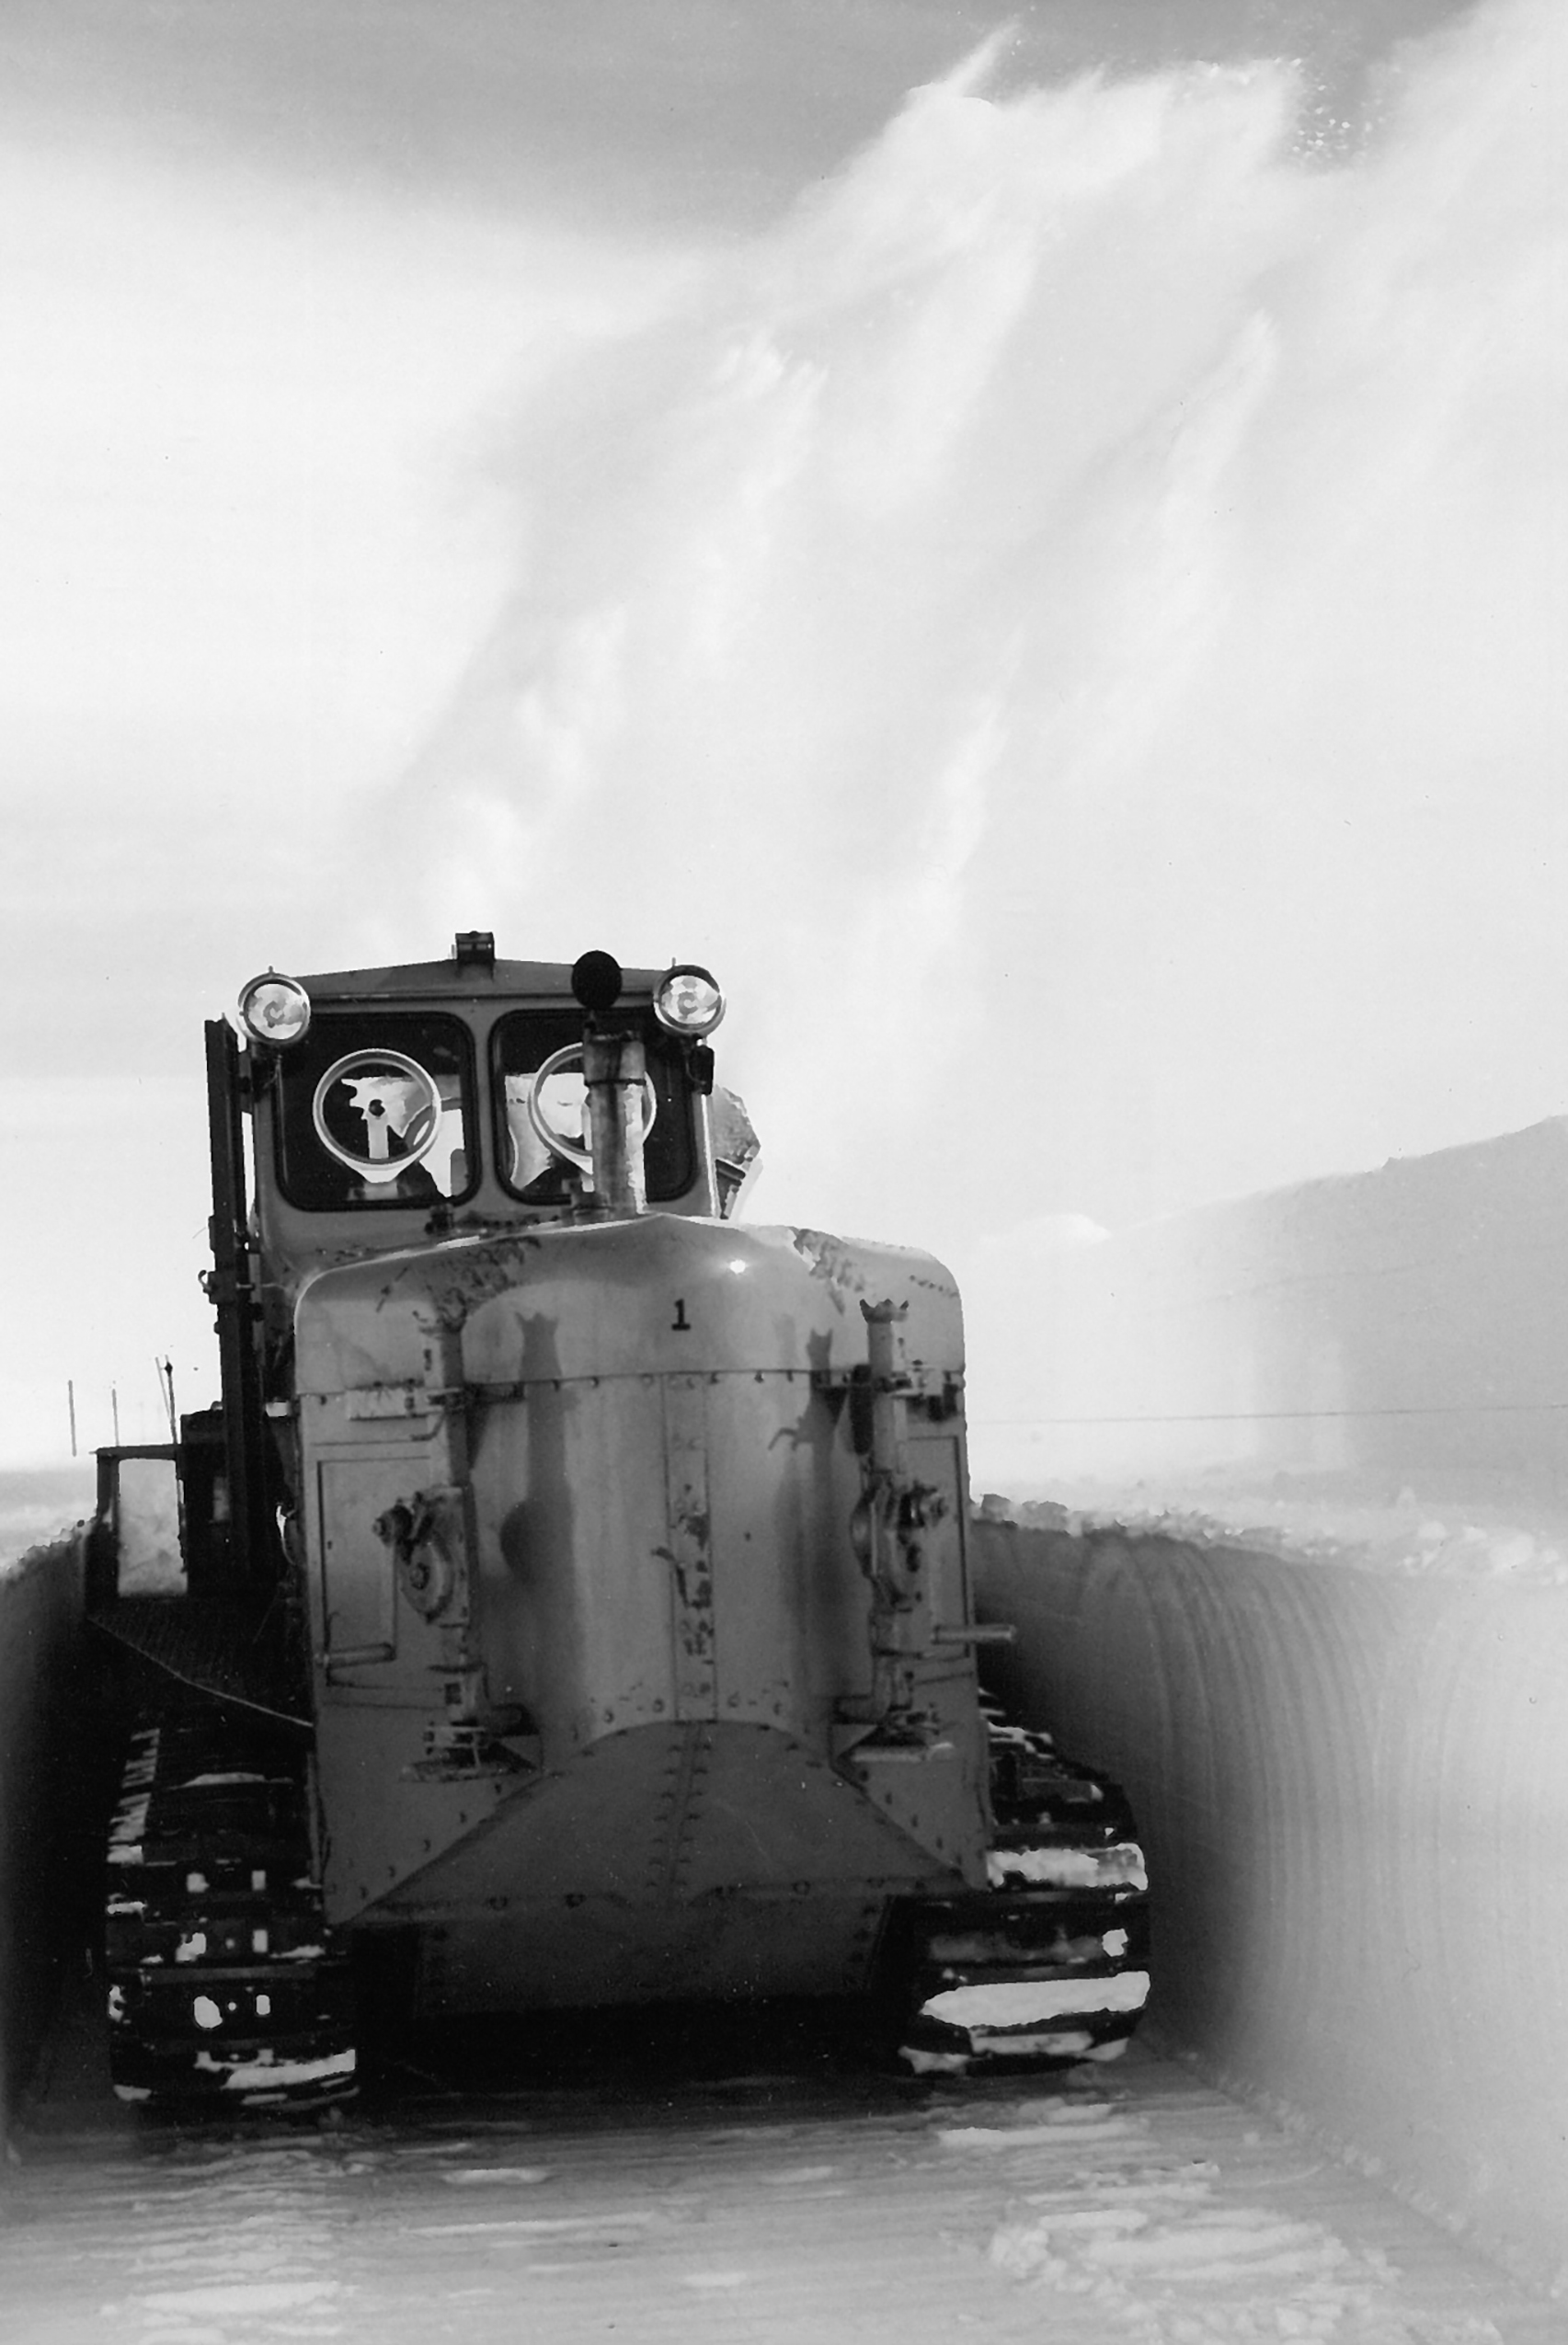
(274, 1010)
(687, 1000)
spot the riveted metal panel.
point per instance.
(934, 1462)
(690, 1549)
(358, 1584)
(690, 1858)
(789, 1600)
(572, 1513)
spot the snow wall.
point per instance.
(1353, 1793)
(45, 1737)
(1402, 1326)
(1299, 1580)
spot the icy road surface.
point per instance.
(816, 2203)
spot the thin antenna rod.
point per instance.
(114, 1408)
(71, 1405)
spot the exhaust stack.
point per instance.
(614, 1068)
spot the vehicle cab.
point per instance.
(359, 1112)
(393, 1106)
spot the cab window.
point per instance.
(377, 1110)
(525, 1041)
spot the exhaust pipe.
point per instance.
(614, 1068)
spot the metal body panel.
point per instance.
(668, 1861)
(572, 1509)
(668, 1548)
(382, 1822)
(659, 1295)
(652, 1426)
(713, 1948)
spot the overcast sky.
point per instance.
(360, 398)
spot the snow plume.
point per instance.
(1068, 624)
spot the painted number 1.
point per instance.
(681, 1323)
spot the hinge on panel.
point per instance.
(368, 1403)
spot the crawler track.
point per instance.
(1048, 1964)
(223, 1984)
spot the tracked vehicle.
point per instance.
(573, 1605)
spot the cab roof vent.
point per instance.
(475, 948)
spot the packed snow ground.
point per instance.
(801, 2205)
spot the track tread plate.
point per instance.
(223, 1982)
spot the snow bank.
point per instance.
(41, 1789)
(38, 1506)
(1298, 1573)
(1369, 1333)
(1353, 1787)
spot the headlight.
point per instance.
(687, 1000)
(274, 1009)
